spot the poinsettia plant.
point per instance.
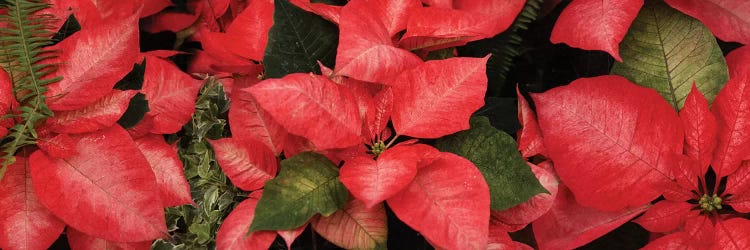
(234, 124)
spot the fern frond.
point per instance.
(22, 49)
(506, 46)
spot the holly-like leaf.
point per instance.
(448, 202)
(247, 163)
(669, 51)
(438, 97)
(366, 51)
(312, 106)
(92, 61)
(114, 197)
(101, 114)
(79, 240)
(732, 234)
(171, 95)
(733, 144)
(355, 226)
(517, 217)
(250, 121)
(609, 138)
(24, 223)
(373, 181)
(569, 225)
(700, 129)
(174, 189)
(233, 231)
(596, 25)
(297, 41)
(307, 185)
(728, 19)
(494, 152)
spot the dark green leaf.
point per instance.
(297, 41)
(510, 180)
(667, 51)
(134, 79)
(502, 112)
(137, 109)
(307, 185)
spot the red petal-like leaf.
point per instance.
(355, 226)
(502, 13)
(113, 197)
(101, 114)
(366, 50)
(438, 97)
(171, 95)
(738, 185)
(609, 138)
(374, 181)
(92, 61)
(114, 9)
(530, 141)
(448, 4)
(290, 235)
(60, 146)
(517, 217)
(84, 11)
(329, 12)
(248, 34)
(379, 114)
(569, 225)
(174, 189)
(730, 109)
(448, 202)
(6, 92)
(247, 163)
(438, 28)
(500, 240)
(250, 121)
(24, 223)
(169, 21)
(233, 231)
(312, 106)
(666, 216)
(732, 234)
(82, 241)
(595, 24)
(700, 129)
(151, 7)
(727, 19)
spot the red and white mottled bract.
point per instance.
(438, 97)
(610, 138)
(355, 226)
(569, 225)
(171, 95)
(530, 141)
(233, 233)
(727, 19)
(373, 181)
(313, 107)
(290, 236)
(595, 24)
(448, 202)
(24, 222)
(114, 197)
(700, 130)
(730, 110)
(99, 115)
(248, 34)
(174, 188)
(517, 217)
(250, 121)
(247, 163)
(81, 241)
(91, 61)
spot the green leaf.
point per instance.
(134, 79)
(137, 109)
(494, 152)
(297, 41)
(667, 51)
(307, 185)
